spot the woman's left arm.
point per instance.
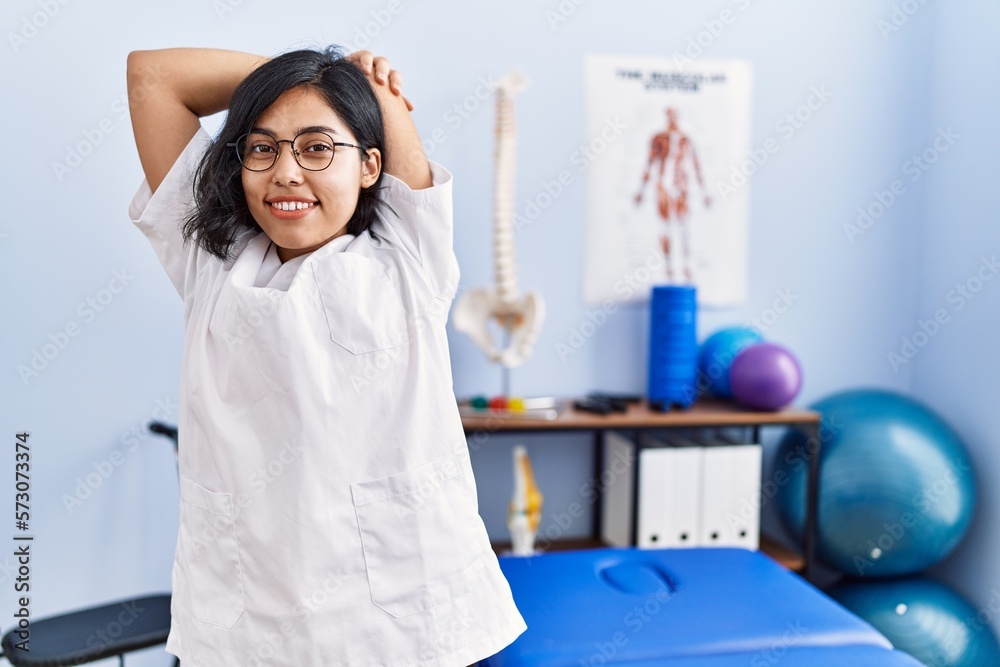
(405, 158)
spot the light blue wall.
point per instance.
(957, 370)
(63, 238)
(850, 297)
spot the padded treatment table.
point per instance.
(684, 607)
(810, 656)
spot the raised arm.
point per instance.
(169, 90)
(405, 158)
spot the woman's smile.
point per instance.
(291, 208)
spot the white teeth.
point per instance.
(291, 205)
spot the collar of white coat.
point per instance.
(244, 270)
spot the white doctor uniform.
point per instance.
(329, 513)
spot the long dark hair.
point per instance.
(221, 214)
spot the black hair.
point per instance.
(220, 212)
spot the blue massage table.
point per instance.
(680, 608)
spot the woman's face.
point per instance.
(322, 202)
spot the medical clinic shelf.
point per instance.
(705, 413)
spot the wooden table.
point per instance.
(705, 413)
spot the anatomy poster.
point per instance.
(667, 200)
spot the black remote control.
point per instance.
(591, 405)
(621, 398)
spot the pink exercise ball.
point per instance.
(765, 376)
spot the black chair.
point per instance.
(93, 634)
(96, 633)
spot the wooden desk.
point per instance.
(705, 413)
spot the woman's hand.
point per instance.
(404, 156)
(378, 71)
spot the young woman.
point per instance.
(329, 513)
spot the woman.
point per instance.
(328, 507)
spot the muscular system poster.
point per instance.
(660, 205)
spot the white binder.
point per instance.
(669, 502)
(743, 520)
(691, 492)
(731, 494)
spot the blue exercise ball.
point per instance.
(717, 353)
(925, 619)
(896, 485)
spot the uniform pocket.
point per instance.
(363, 306)
(211, 556)
(419, 535)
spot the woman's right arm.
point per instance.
(169, 90)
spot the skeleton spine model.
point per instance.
(520, 317)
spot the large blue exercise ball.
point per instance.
(716, 355)
(925, 619)
(896, 485)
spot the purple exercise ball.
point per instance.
(765, 376)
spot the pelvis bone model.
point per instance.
(519, 317)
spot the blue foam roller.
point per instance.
(673, 346)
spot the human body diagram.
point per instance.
(673, 156)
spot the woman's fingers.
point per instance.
(379, 70)
(362, 59)
(396, 87)
(396, 82)
(381, 67)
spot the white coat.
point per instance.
(328, 510)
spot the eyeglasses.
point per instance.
(313, 151)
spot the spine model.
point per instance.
(518, 316)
